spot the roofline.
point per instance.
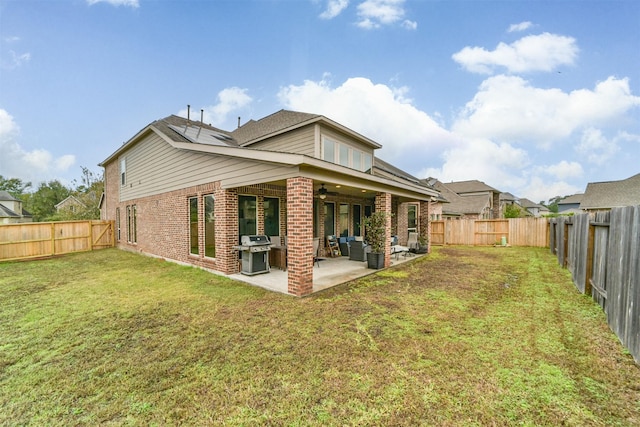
(280, 158)
(299, 160)
(318, 118)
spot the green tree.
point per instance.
(513, 211)
(42, 203)
(14, 186)
(86, 198)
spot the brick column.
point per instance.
(383, 204)
(425, 223)
(226, 228)
(300, 236)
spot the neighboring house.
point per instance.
(468, 200)
(11, 211)
(533, 209)
(600, 196)
(570, 205)
(186, 191)
(71, 204)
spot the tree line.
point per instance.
(41, 202)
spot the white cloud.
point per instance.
(538, 189)
(543, 52)
(12, 59)
(229, 100)
(595, 147)
(128, 3)
(376, 13)
(520, 27)
(484, 160)
(377, 111)
(334, 8)
(509, 109)
(35, 165)
(564, 170)
(410, 25)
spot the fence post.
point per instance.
(565, 245)
(90, 235)
(53, 238)
(590, 250)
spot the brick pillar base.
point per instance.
(300, 236)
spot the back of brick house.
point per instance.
(186, 191)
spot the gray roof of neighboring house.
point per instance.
(508, 197)
(526, 203)
(570, 200)
(6, 197)
(472, 186)
(612, 194)
(473, 204)
(5, 212)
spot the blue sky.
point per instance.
(537, 98)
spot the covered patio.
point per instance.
(330, 273)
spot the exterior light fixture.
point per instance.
(322, 192)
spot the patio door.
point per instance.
(412, 219)
(271, 216)
(357, 220)
(329, 219)
(247, 223)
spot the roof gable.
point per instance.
(255, 130)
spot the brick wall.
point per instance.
(300, 235)
(163, 227)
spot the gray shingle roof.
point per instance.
(6, 197)
(276, 122)
(458, 204)
(612, 194)
(526, 203)
(5, 212)
(472, 186)
(569, 200)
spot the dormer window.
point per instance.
(346, 155)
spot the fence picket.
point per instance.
(612, 239)
(41, 239)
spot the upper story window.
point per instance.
(123, 171)
(345, 155)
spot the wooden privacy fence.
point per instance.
(602, 251)
(42, 239)
(488, 232)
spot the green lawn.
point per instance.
(464, 336)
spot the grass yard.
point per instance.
(465, 336)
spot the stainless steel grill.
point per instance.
(255, 254)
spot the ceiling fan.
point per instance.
(323, 192)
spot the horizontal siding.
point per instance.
(299, 141)
(154, 167)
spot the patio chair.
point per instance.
(358, 251)
(412, 242)
(316, 251)
(275, 240)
